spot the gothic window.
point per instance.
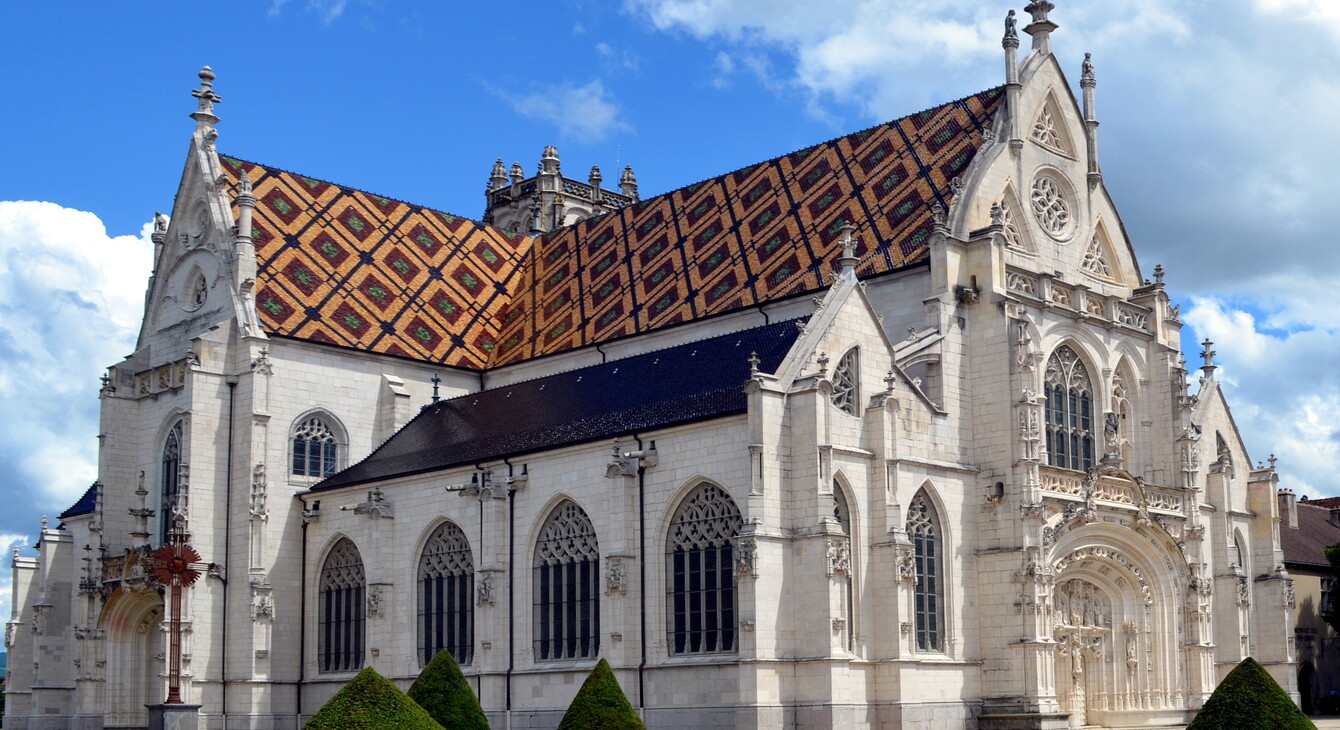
(1069, 412)
(1050, 207)
(169, 480)
(446, 596)
(315, 448)
(842, 513)
(340, 606)
(846, 379)
(923, 529)
(699, 563)
(567, 584)
(1011, 227)
(1045, 131)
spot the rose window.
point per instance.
(1050, 207)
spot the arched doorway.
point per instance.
(133, 620)
(1307, 680)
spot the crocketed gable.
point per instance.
(350, 268)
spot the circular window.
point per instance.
(1051, 208)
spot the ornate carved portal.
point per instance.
(1082, 626)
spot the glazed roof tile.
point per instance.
(676, 385)
(346, 267)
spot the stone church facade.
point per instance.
(891, 431)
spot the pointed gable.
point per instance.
(346, 267)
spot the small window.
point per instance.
(567, 587)
(341, 621)
(169, 481)
(846, 382)
(315, 449)
(446, 600)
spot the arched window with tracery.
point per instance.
(1069, 411)
(846, 382)
(446, 588)
(842, 514)
(316, 448)
(700, 572)
(923, 529)
(169, 481)
(340, 597)
(567, 586)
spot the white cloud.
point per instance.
(72, 307)
(328, 11)
(8, 542)
(1323, 13)
(586, 113)
(1280, 382)
(616, 61)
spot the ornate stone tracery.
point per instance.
(1050, 207)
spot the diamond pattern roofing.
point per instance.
(350, 268)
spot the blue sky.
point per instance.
(1217, 142)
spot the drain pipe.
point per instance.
(511, 588)
(231, 380)
(302, 608)
(642, 577)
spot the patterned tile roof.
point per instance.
(354, 269)
(351, 268)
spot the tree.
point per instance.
(600, 704)
(1332, 613)
(441, 689)
(1250, 699)
(370, 702)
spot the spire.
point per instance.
(517, 173)
(1041, 28)
(549, 160)
(1012, 86)
(498, 176)
(204, 113)
(1208, 354)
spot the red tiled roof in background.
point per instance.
(349, 268)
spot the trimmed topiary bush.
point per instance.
(601, 705)
(441, 689)
(1250, 699)
(370, 702)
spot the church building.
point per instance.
(892, 431)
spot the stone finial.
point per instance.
(535, 211)
(1087, 77)
(1208, 355)
(1041, 28)
(1011, 39)
(44, 522)
(595, 177)
(822, 362)
(517, 173)
(1158, 274)
(753, 364)
(938, 215)
(997, 214)
(244, 194)
(628, 183)
(436, 381)
(1272, 461)
(205, 94)
(848, 260)
(498, 175)
(549, 160)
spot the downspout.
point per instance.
(227, 557)
(766, 319)
(302, 614)
(603, 357)
(511, 584)
(642, 575)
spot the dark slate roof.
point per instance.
(85, 505)
(1315, 533)
(676, 385)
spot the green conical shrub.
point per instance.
(370, 702)
(441, 689)
(600, 704)
(1250, 699)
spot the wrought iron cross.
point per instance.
(176, 565)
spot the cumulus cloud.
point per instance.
(586, 113)
(1281, 383)
(7, 543)
(73, 298)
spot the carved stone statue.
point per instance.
(1010, 31)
